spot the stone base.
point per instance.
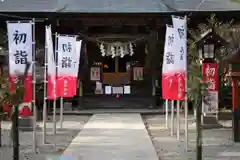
(210, 123)
(25, 124)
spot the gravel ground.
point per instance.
(71, 127)
(217, 143)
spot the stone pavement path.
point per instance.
(112, 137)
(217, 143)
(71, 126)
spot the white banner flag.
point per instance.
(180, 26)
(51, 85)
(20, 46)
(50, 52)
(67, 66)
(169, 55)
(78, 52)
(180, 36)
(67, 57)
(169, 70)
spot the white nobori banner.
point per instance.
(169, 69)
(20, 45)
(51, 61)
(68, 53)
(180, 35)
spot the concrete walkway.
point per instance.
(112, 137)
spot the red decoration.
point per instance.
(51, 87)
(173, 86)
(25, 112)
(7, 108)
(27, 87)
(117, 97)
(66, 86)
(210, 74)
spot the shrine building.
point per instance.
(123, 42)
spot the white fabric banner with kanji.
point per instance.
(180, 35)
(169, 70)
(20, 42)
(20, 46)
(76, 69)
(68, 62)
(51, 71)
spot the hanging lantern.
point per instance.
(102, 49)
(131, 49)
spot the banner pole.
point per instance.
(178, 120)
(166, 114)
(34, 87)
(54, 102)
(61, 112)
(44, 92)
(186, 95)
(172, 119)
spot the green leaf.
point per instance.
(197, 88)
(236, 1)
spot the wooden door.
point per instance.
(114, 74)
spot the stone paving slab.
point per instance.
(112, 137)
(71, 126)
(217, 143)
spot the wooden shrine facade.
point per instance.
(116, 85)
(146, 32)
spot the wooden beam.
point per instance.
(118, 36)
(118, 21)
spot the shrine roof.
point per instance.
(84, 6)
(204, 5)
(116, 6)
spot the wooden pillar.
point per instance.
(152, 43)
(81, 76)
(234, 93)
(235, 110)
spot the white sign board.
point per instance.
(210, 105)
(95, 74)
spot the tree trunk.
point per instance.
(15, 134)
(199, 131)
(0, 130)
